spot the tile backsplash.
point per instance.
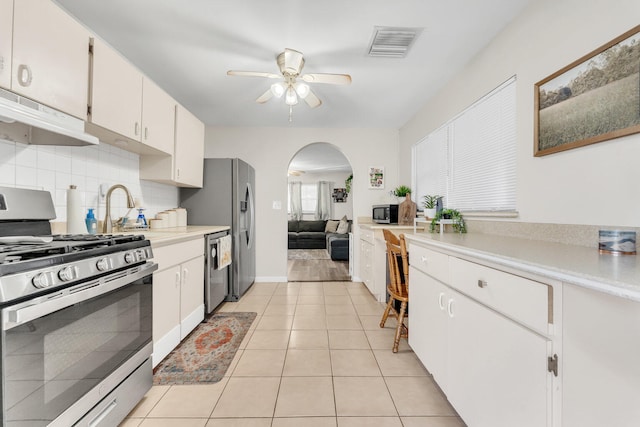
(91, 168)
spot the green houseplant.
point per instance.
(401, 191)
(458, 221)
(347, 183)
(430, 203)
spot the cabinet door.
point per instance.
(366, 253)
(6, 34)
(50, 57)
(116, 91)
(158, 117)
(497, 370)
(428, 320)
(166, 310)
(189, 148)
(191, 295)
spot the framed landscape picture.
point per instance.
(593, 99)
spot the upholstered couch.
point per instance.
(305, 234)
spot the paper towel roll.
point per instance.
(75, 219)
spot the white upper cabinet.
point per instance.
(116, 93)
(126, 103)
(189, 148)
(6, 34)
(158, 117)
(50, 61)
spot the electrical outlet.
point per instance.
(277, 204)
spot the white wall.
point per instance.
(337, 179)
(53, 168)
(269, 151)
(597, 184)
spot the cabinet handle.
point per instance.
(482, 283)
(177, 172)
(185, 274)
(450, 308)
(177, 279)
(423, 259)
(146, 132)
(441, 300)
(136, 129)
(24, 75)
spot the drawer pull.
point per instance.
(423, 259)
(482, 283)
(441, 300)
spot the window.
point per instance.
(309, 194)
(471, 160)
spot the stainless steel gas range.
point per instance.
(76, 316)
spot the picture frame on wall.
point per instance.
(593, 99)
(339, 195)
(376, 178)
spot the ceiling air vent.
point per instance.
(392, 42)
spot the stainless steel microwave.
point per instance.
(385, 214)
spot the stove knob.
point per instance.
(66, 274)
(40, 280)
(102, 264)
(129, 257)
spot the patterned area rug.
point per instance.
(308, 254)
(205, 354)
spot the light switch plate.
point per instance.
(277, 204)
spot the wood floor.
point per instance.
(317, 270)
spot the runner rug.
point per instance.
(206, 353)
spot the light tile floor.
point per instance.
(314, 357)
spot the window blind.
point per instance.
(479, 155)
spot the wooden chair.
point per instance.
(398, 287)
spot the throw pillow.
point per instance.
(343, 227)
(331, 226)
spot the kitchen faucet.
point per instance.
(107, 226)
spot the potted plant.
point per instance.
(347, 183)
(458, 221)
(402, 191)
(430, 203)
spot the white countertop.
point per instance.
(577, 265)
(166, 236)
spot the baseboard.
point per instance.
(271, 279)
(164, 345)
(190, 322)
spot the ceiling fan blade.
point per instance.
(293, 61)
(312, 100)
(253, 74)
(264, 97)
(334, 79)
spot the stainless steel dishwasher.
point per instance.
(216, 279)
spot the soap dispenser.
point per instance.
(91, 222)
(141, 222)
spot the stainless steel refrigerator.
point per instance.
(227, 198)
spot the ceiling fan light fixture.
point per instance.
(278, 89)
(290, 97)
(302, 89)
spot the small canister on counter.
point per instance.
(617, 242)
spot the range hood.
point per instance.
(28, 122)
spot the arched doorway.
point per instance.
(318, 206)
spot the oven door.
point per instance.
(64, 351)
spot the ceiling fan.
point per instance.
(290, 63)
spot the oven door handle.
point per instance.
(47, 304)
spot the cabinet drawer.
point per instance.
(167, 256)
(526, 301)
(435, 264)
(366, 235)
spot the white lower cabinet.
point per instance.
(491, 367)
(178, 294)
